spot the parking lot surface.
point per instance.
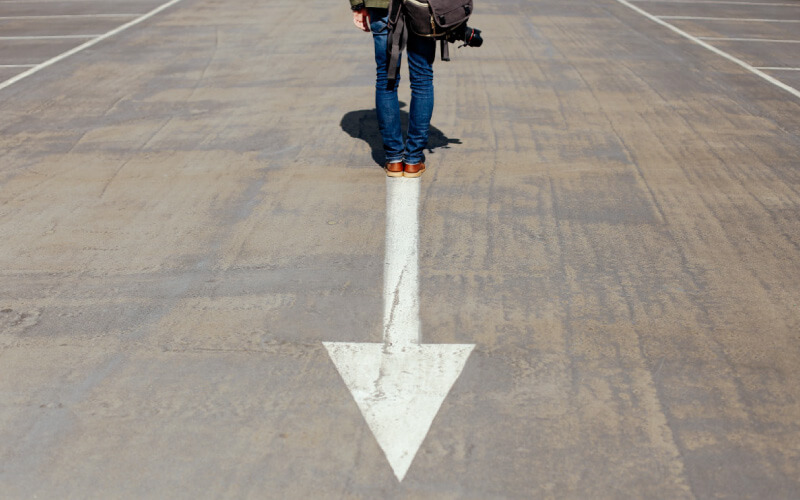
(197, 243)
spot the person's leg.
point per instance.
(421, 53)
(386, 102)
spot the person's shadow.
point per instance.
(363, 124)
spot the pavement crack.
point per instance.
(387, 337)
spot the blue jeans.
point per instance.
(421, 53)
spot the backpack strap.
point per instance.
(397, 40)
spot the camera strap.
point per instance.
(397, 41)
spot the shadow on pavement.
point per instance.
(363, 124)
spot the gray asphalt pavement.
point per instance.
(191, 206)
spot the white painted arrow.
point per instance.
(400, 385)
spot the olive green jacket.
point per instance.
(378, 4)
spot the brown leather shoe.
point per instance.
(394, 169)
(413, 170)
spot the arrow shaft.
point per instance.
(401, 323)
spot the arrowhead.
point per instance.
(399, 390)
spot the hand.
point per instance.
(361, 19)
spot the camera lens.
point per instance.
(472, 37)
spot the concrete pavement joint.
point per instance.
(734, 19)
(46, 37)
(724, 39)
(722, 2)
(63, 16)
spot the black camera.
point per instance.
(470, 36)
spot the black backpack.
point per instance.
(443, 20)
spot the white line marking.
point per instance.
(63, 16)
(713, 49)
(46, 37)
(17, 65)
(778, 68)
(732, 19)
(724, 39)
(401, 266)
(400, 385)
(720, 3)
(41, 1)
(86, 45)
